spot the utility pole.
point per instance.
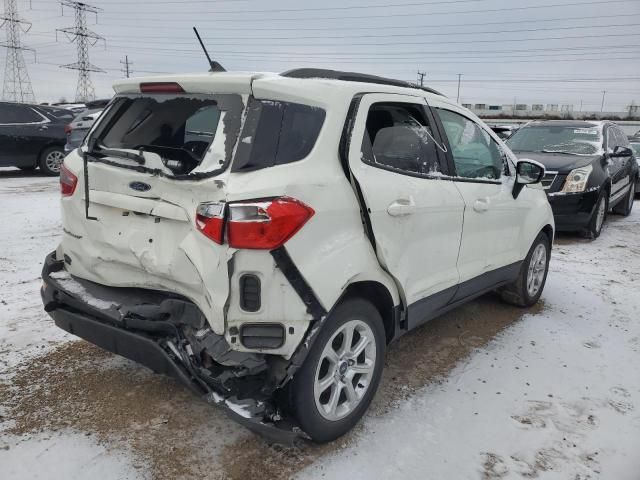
(17, 84)
(458, 98)
(604, 92)
(126, 66)
(421, 78)
(83, 38)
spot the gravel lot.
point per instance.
(487, 391)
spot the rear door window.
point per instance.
(399, 137)
(19, 114)
(277, 133)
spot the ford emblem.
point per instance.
(140, 186)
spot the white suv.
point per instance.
(264, 237)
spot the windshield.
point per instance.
(186, 132)
(557, 139)
(636, 149)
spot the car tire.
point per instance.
(51, 160)
(527, 288)
(333, 389)
(599, 216)
(625, 206)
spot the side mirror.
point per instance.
(527, 172)
(621, 152)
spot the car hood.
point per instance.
(558, 162)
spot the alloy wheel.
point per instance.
(537, 268)
(345, 370)
(54, 160)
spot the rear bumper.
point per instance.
(76, 314)
(573, 211)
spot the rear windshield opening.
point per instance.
(180, 129)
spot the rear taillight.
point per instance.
(68, 181)
(264, 224)
(161, 87)
(67, 129)
(210, 220)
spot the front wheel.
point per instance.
(51, 160)
(594, 228)
(527, 288)
(335, 385)
(626, 205)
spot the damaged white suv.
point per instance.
(264, 237)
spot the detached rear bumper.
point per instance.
(95, 321)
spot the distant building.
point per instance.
(566, 108)
(537, 107)
(480, 106)
(468, 105)
(521, 106)
(552, 107)
(495, 107)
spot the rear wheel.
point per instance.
(626, 205)
(598, 217)
(526, 290)
(51, 160)
(335, 385)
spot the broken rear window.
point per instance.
(187, 132)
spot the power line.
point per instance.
(83, 38)
(17, 84)
(244, 12)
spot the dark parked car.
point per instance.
(635, 146)
(591, 169)
(33, 136)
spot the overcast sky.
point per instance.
(545, 51)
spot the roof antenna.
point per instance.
(215, 66)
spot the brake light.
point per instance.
(67, 129)
(68, 181)
(267, 224)
(161, 87)
(210, 220)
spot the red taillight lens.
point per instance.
(67, 129)
(68, 181)
(210, 220)
(161, 87)
(266, 225)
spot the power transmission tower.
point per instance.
(83, 38)
(421, 78)
(126, 66)
(17, 84)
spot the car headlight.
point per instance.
(577, 180)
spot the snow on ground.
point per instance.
(556, 395)
(70, 456)
(29, 229)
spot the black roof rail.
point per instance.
(352, 77)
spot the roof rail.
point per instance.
(352, 77)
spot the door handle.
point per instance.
(401, 207)
(481, 205)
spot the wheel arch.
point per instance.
(381, 298)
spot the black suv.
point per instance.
(590, 170)
(33, 136)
